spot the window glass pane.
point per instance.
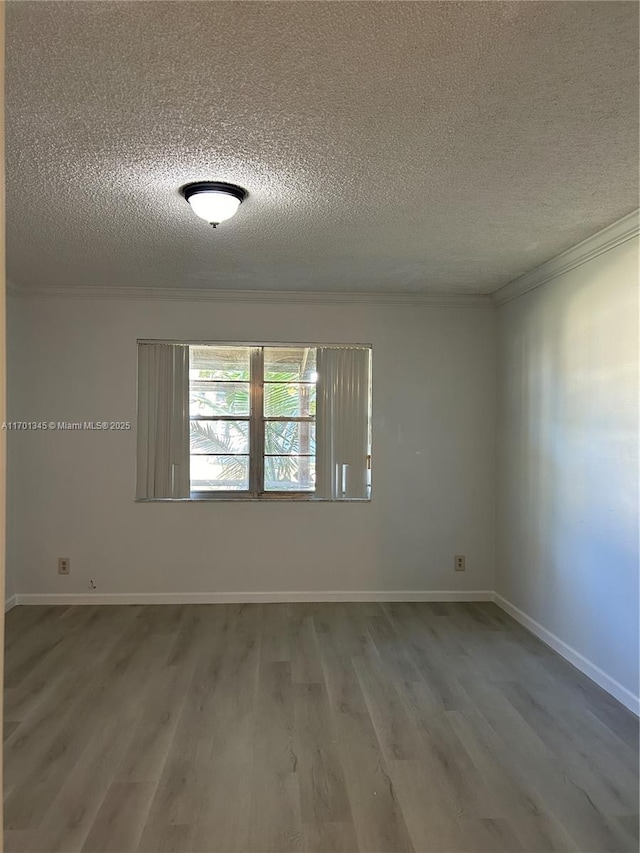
(219, 473)
(218, 362)
(290, 400)
(289, 474)
(219, 437)
(290, 364)
(296, 437)
(218, 398)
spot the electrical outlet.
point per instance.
(64, 565)
(459, 562)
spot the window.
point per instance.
(246, 421)
(239, 445)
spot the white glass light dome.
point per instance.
(213, 201)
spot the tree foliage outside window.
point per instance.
(227, 385)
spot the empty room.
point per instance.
(321, 427)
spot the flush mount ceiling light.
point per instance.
(213, 201)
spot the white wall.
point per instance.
(3, 368)
(568, 460)
(71, 494)
(14, 337)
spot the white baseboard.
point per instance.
(10, 603)
(574, 657)
(254, 597)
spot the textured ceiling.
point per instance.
(386, 146)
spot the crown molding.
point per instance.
(252, 296)
(610, 237)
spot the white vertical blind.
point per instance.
(342, 417)
(163, 421)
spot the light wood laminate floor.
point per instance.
(307, 727)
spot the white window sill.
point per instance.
(253, 499)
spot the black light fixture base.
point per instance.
(213, 186)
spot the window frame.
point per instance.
(256, 392)
(257, 420)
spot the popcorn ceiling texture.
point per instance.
(392, 146)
